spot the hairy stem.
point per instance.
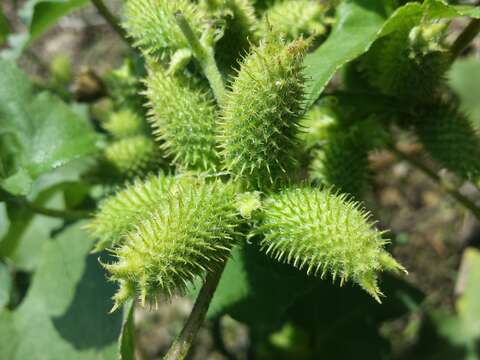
(444, 185)
(62, 214)
(466, 36)
(205, 56)
(182, 344)
(111, 20)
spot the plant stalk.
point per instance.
(112, 20)
(444, 185)
(205, 56)
(465, 37)
(182, 344)
(54, 213)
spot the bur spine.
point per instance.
(260, 115)
(322, 232)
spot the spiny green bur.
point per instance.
(238, 31)
(294, 18)
(133, 156)
(152, 25)
(191, 232)
(410, 62)
(451, 140)
(119, 213)
(124, 123)
(316, 126)
(183, 117)
(260, 116)
(342, 163)
(322, 232)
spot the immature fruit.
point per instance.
(261, 113)
(183, 117)
(316, 127)
(238, 31)
(295, 18)
(410, 62)
(121, 212)
(124, 123)
(451, 140)
(323, 232)
(133, 156)
(192, 232)
(342, 163)
(152, 25)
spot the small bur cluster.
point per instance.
(235, 173)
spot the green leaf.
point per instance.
(38, 132)
(468, 306)
(127, 336)
(464, 78)
(257, 290)
(65, 312)
(47, 12)
(359, 24)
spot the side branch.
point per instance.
(205, 56)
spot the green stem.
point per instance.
(444, 185)
(205, 56)
(182, 344)
(467, 35)
(112, 20)
(62, 214)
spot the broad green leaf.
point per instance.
(65, 312)
(127, 335)
(38, 132)
(359, 24)
(464, 78)
(257, 290)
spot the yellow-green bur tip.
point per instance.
(325, 233)
(192, 232)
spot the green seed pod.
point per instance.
(451, 140)
(317, 125)
(410, 62)
(192, 232)
(183, 118)
(258, 132)
(151, 23)
(295, 18)
(238, 30)
(342, 163)
(124, 123)
(323, 232)
(120, 213)
(133, 156)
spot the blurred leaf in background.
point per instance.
(65, 312)
(464, 78)
(28, 123)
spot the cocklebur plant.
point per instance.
(165, 232)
